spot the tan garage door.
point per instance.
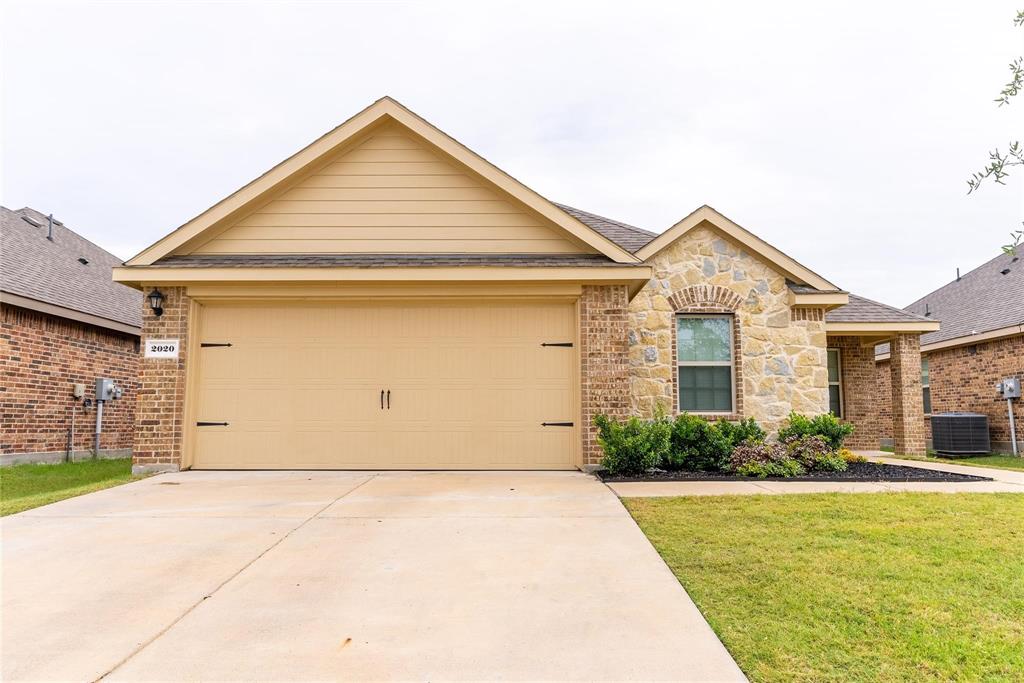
(372, 386)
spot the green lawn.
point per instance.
(27, 486)
(853, 587)
(1004, 462)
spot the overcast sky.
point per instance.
(842, 134)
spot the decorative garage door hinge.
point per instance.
(209, 344)
(211, 424)
(556, 424)
(566, 344)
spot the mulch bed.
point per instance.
(857, 471)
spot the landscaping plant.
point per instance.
(826, 426)
(634, 446)
(849, 456)
(744, 431)
(697, 445)
(814, 454)
(764, 460)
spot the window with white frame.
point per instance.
(926, 387)
(835, 383)
(704, 353)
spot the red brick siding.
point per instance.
(604, 361)
(908, 431)
(964, 378)
(859, 387)
(42, 357)
(159, 416)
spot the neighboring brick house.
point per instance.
(62, 321)
(387, 299)
(981, 342)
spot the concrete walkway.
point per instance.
(346, 576)
(1004, 481)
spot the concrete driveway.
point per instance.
(343, 575)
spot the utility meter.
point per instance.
(106, 390)
(1009, 388)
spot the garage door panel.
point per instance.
(470, 385)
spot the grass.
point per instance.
(853, 587)
(23, 487)
(1003, 462)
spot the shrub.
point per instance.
(744, 431)
(634, 446)
(764, 460)
(826, 426)
(849, 456)
(814, 454)
(697, 445)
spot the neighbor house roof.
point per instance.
(990, 297)
(67, 276)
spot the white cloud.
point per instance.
(842, 134)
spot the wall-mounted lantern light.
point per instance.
(156, 300)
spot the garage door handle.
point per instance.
(211, 424)
(382, 399)
(389, 399)
(207, 345)
(556, 424)
(565, 344)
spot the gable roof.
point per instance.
(705, 214)
(36, 269)
(983, 300)
(382, 111)
(626, 236)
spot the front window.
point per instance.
(835, 383)
(704, 349)
(926, 387)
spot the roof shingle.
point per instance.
(629, 237)
(36, 268)
(861, 310)
(990, 297)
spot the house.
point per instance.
(981, 343)
(386, 298)
(62, 322)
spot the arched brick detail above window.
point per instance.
(705, 297)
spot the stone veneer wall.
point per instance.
(604, 367)
(782, 363)
(159, 413)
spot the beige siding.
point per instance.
(391, 193)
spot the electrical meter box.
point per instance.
(1009, 388)
(106, 390)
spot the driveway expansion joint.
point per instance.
(228, 580)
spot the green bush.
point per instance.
(634, 446)
(744, 431)
(697, 445)
(814, 454)
(764, 460)
(827, 426)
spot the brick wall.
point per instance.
(963, 379)
(604, 361)
(859, 384)
(908, 430)
(159, 414)
(41, 357)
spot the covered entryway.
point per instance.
(371, 385)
